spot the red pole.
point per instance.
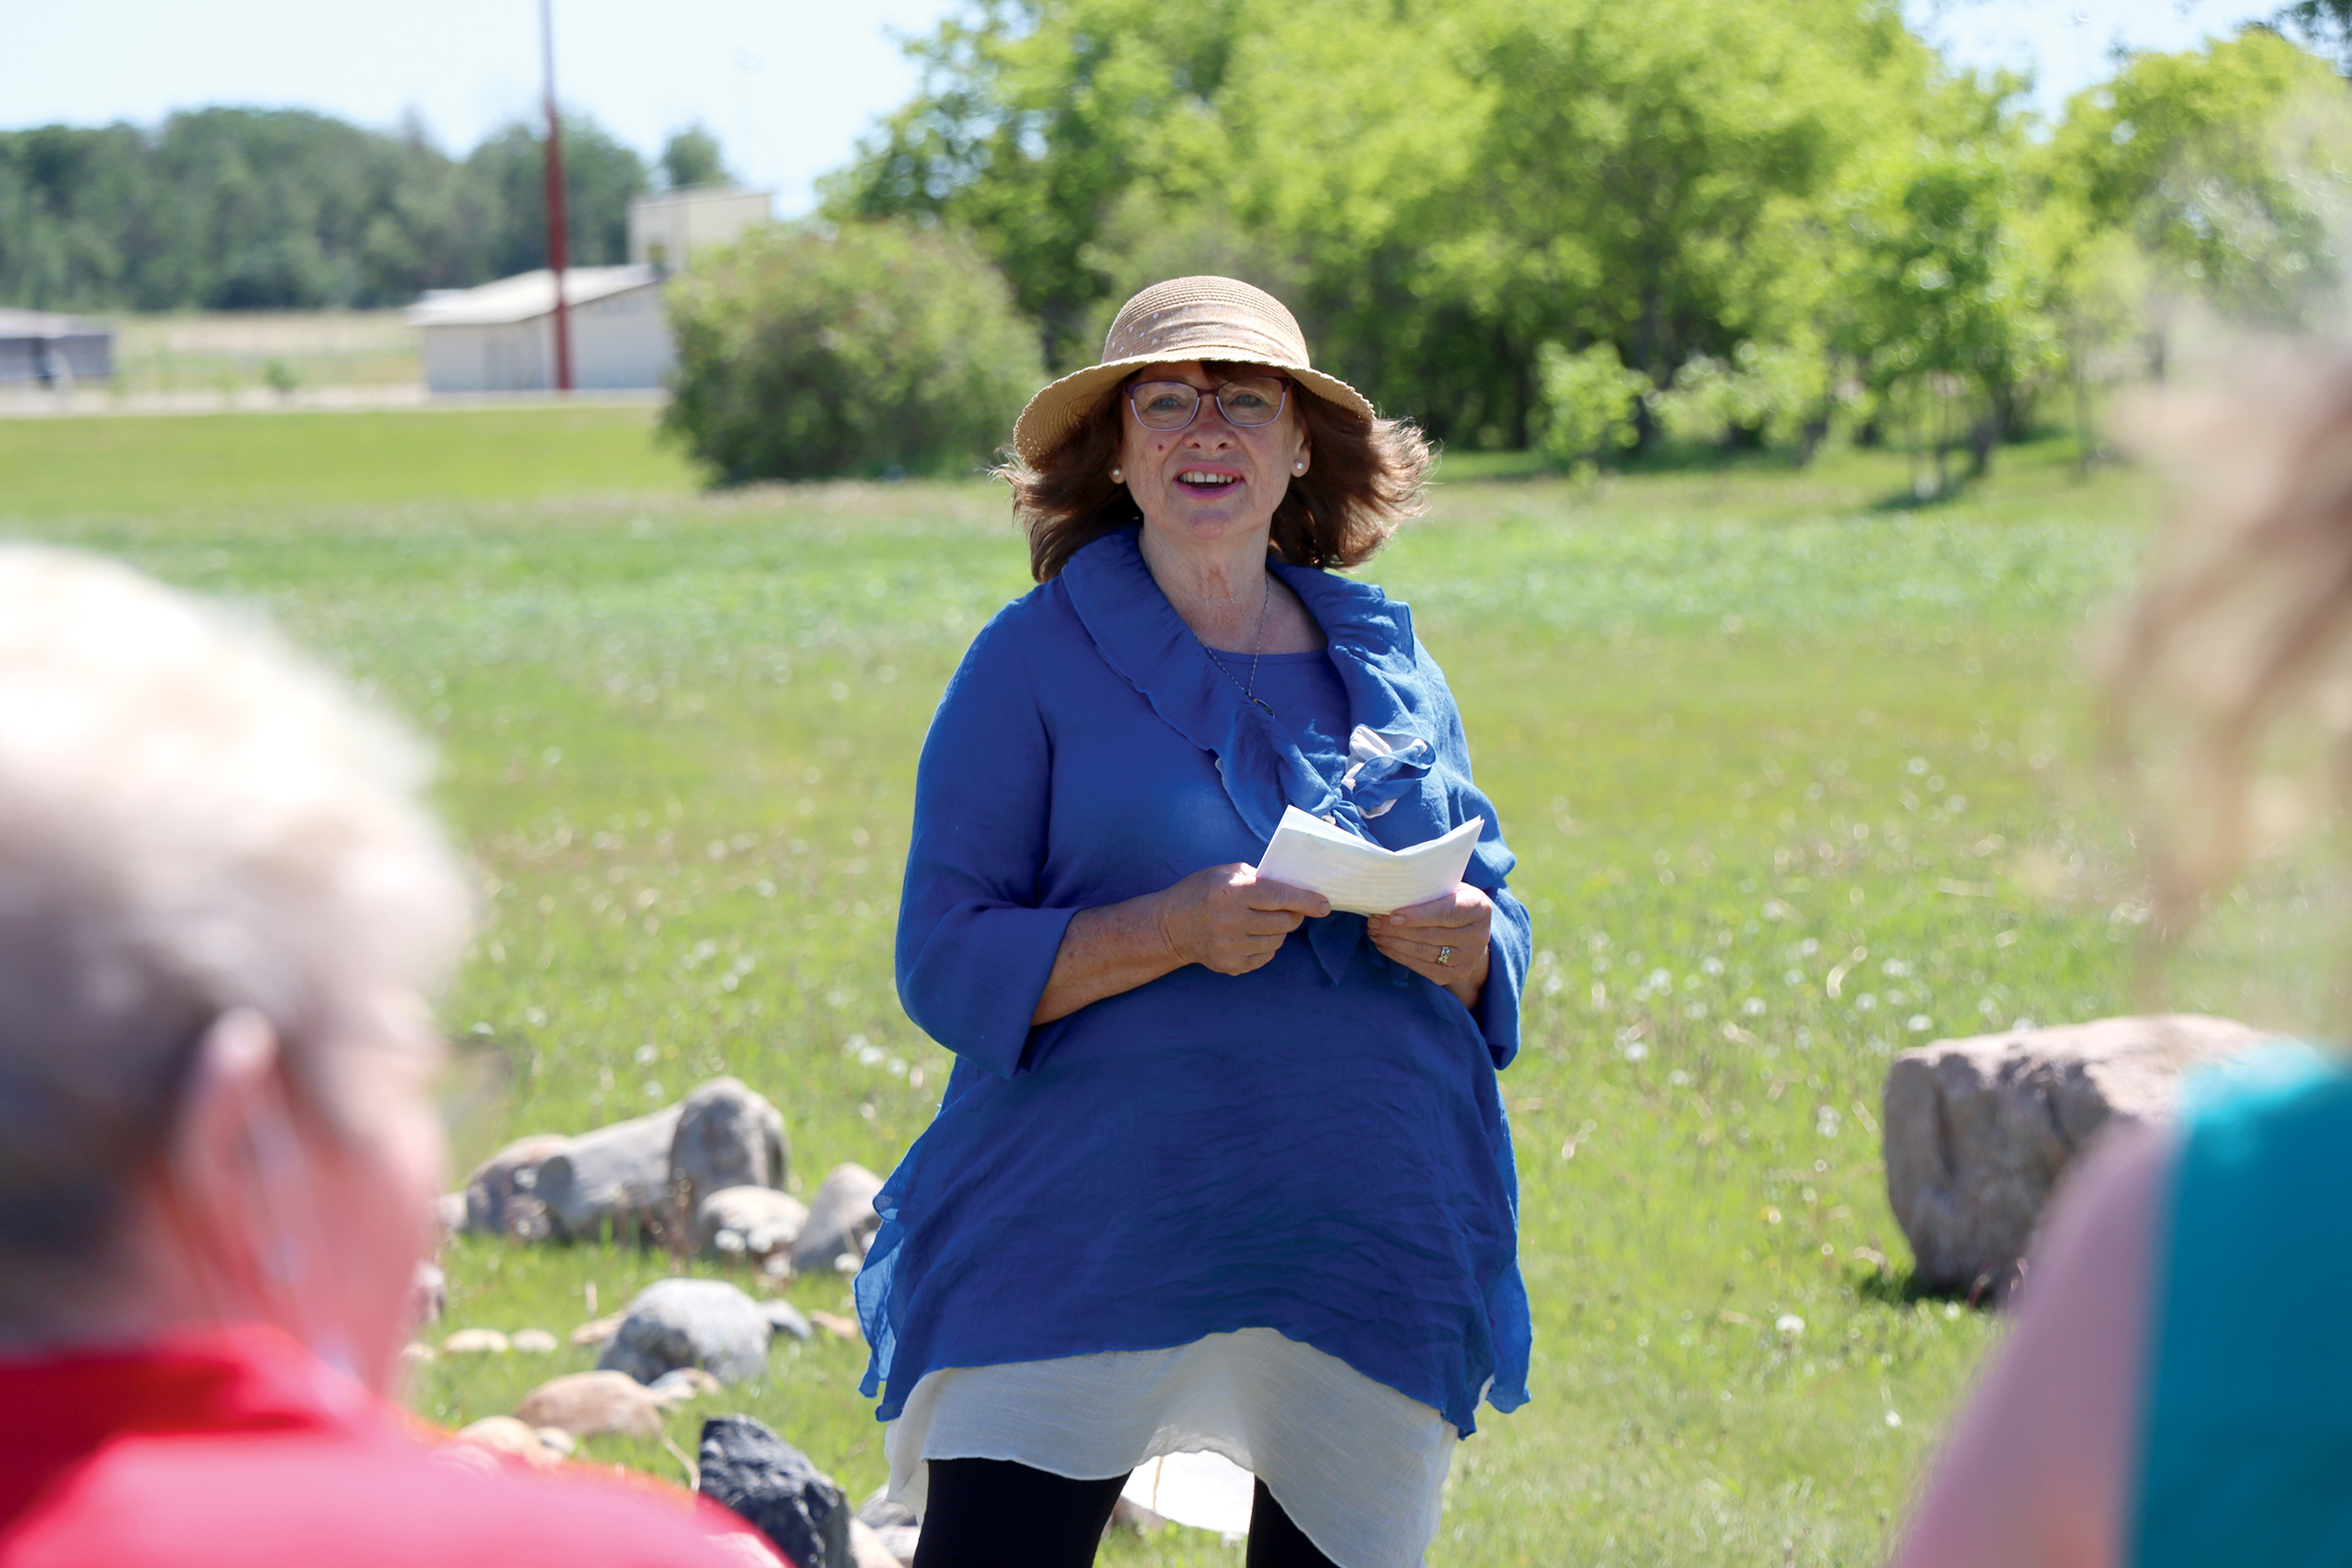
(559, 255)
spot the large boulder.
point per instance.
(1978, 1131)
(502, 1194)
(749, 1224)
(727, 1136)
(588, 1403)
(776, 1490)
(841, 1220)
(680, 1323)
(615, 1177)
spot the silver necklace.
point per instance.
(1256, 653)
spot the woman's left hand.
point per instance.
(1454, 925)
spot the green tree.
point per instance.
(1589, 399)
(2327, 23)
(506, 189)
(2224, 165)
(690, 157)
(1946, 324)
(808, 352)
(1438, 189)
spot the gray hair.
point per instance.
(192, 819)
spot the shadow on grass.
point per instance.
(1890, 1287)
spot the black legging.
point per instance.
(994, 1513)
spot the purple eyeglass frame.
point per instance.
(1217, 392)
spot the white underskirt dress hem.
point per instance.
(1358, 1465)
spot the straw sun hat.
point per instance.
(1182, 319)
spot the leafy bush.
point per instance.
(873, 350)
(1770, 392)
(1589, 399)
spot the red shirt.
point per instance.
(238, 1449)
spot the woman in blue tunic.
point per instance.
(2176, 1390)
(1217, 1169)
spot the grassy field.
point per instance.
(1794, 773)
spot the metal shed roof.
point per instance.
(526, 296)
(47, 324)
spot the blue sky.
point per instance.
(788, 85)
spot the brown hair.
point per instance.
(1368, 476)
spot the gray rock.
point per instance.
(502, 1196)
(776, 1490)
(749, 1224)
(727, 1136)
(1978, 1131)
(880, 1513)
(617, 1177)
(707, 1323)
(785, 1319)
(841, 1220)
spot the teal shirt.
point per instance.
(2246, 1447)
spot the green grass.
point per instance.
(207, 469)
(1744, 727)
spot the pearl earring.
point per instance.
(1117, 477)
(1300, 466)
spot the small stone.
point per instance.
(596, 1331)
(680, 1323)
(880, 1511)
(837, 1325)
(727, 1136)
(514, 1439)
(785, 1319)
(476, 1342)
(615, 1179)
(841, 1220)
(773, 1487)
(681, 1385)
(762, 1222)
(1978, 1131)
(532, 1341)
(557, 1440)
(589, 1404)
(413, 1355)
(501, 1195)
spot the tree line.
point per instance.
(243, 209)
(1574, 222)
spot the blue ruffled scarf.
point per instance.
(1388, 794)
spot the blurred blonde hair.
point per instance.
(192, 819)
(2242, 620)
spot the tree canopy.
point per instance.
(1794, 201)
(253, 209)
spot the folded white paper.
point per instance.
(1309, 852)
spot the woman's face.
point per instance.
(1213, 479)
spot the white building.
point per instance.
(667, 230)
(500, 337)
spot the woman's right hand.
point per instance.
(1231, 919)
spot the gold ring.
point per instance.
(1445, 958)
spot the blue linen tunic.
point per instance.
(1316, 1147)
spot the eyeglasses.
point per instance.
(1171, 404)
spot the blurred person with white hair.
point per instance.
(221, 908)
(2176, 1389)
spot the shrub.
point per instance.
(1589, 400)
(874, 350)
